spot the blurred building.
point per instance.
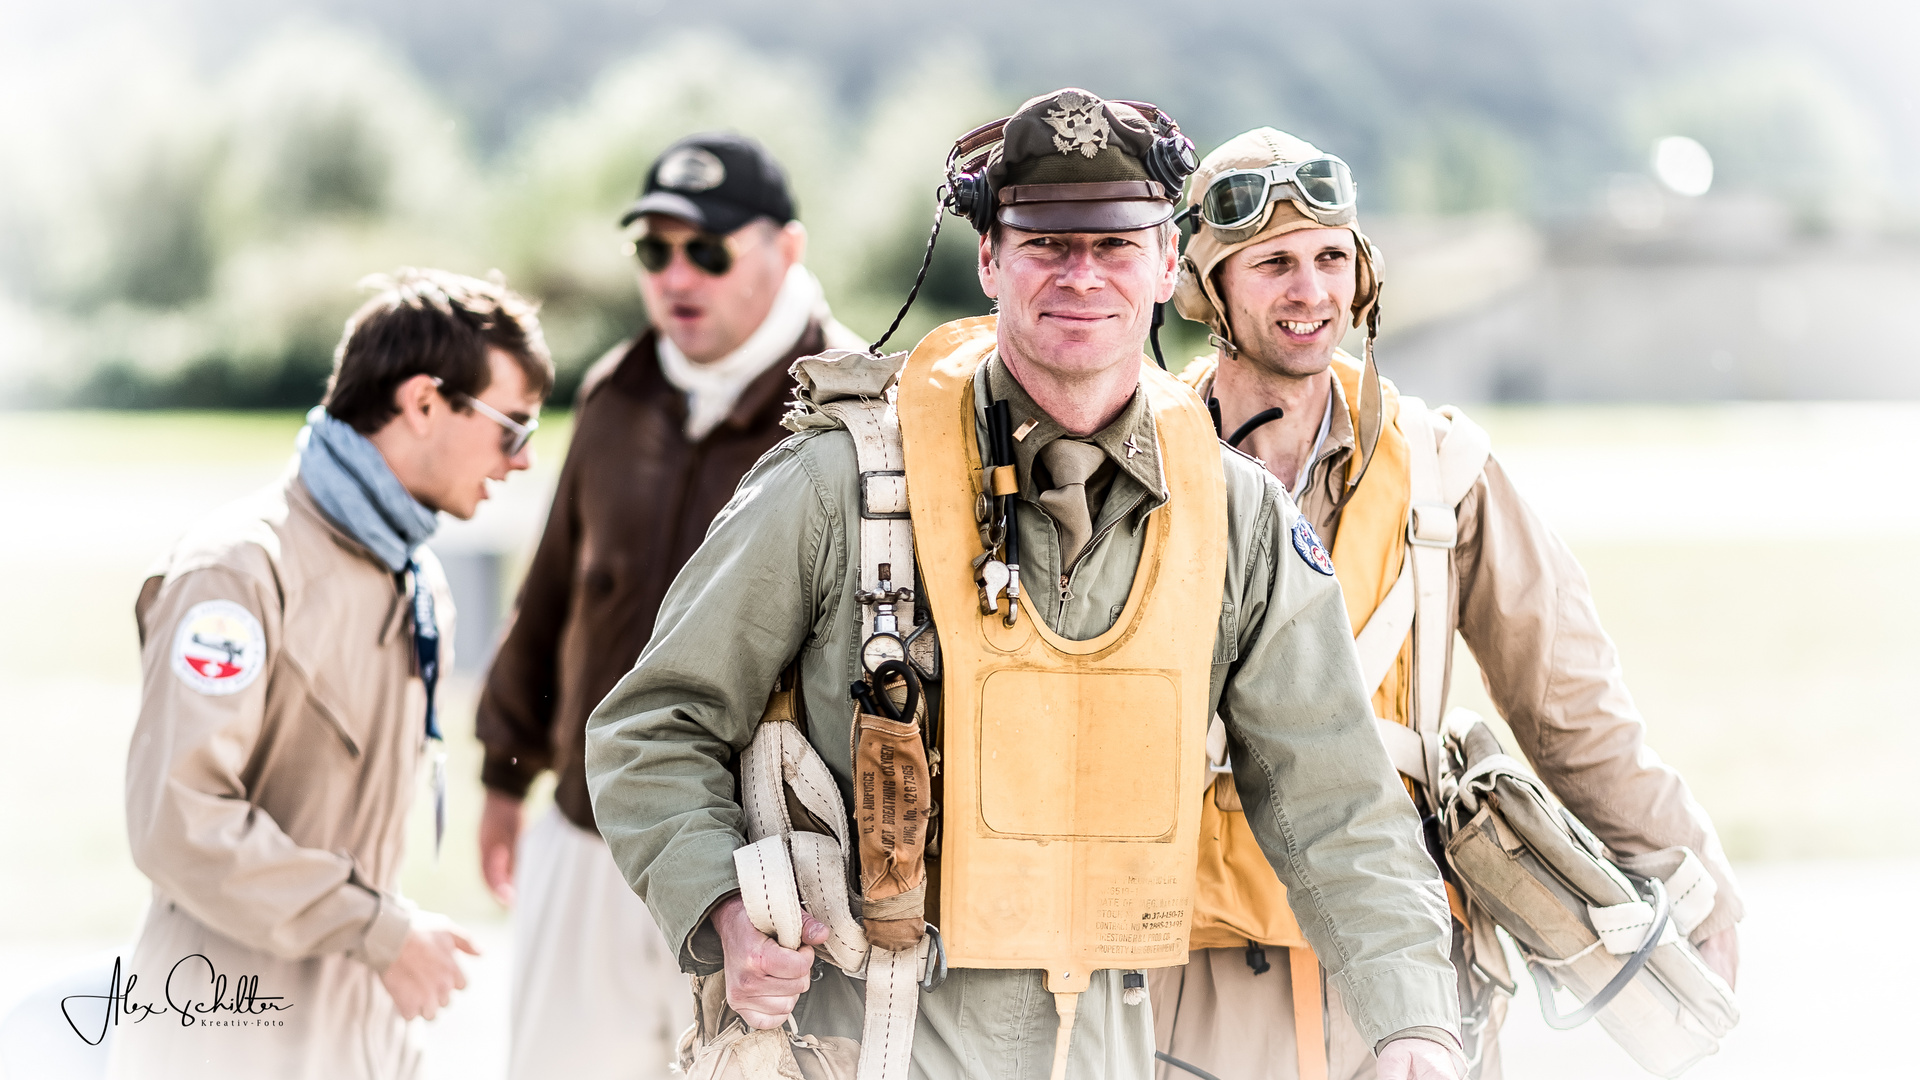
(1652, 298)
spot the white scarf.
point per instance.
(713, 388)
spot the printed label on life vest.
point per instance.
(1312, 551)
(1139, 917)
(219, 648)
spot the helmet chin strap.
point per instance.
(1372, 416)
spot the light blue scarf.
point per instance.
(354, 486)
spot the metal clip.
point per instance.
(935, 973)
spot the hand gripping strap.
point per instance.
(780, 761)
(784, 866)
(767, 889)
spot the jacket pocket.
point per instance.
(1226, 640)
(316, 704)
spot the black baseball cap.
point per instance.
(716, 182)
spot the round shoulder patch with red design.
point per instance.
(1312, 551)
(219, 648)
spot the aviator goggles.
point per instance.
(710, 253)
(1235, 203)
(513, 435)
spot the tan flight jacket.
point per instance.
(271, 821)
(1523, 605)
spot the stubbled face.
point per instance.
(1289, 299)
(1076, 304)
(709, 316)
(463, 447)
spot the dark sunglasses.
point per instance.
(709, 253)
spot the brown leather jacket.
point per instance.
(634, 501)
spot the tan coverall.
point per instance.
(1523, 606)
(271, 818)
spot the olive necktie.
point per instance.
(1071, 462)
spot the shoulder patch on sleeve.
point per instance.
(219, 648)
(1312, 551)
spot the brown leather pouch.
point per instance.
(892, 798)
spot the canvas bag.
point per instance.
(1610, 929)
(718, 1045)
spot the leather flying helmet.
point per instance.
(1197, 296)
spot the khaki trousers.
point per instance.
(597, 994)
(1215, 1013)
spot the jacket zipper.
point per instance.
(1066, 579)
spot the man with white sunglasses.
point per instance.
(665, 425)
(1279, 270)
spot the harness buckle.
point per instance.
(1433, 526)
(883, 495)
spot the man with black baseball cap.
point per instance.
(666, 424)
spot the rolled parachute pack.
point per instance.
(800, 857)
(1609, 929)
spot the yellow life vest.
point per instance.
(1073, 770)
(1240, 900)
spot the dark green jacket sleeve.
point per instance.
(1322, 798)
(660, 748)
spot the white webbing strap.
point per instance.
(1429, 550)
(767, 889)
(777, 761)
(1404, 748)
(784, 867)
(893, 1003)
(1691, 890)
(886, 530)
(1623, 927)
(1378, 642)
(1446, 454)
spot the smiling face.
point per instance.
(706, 315)
(1289, 299)
(460, 449)
(1076, 305)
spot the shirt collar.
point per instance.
(1131, 441)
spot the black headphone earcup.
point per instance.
(969, 197)
(1170, 161)
(983, 206)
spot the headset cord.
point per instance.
(926, 261)
(1196, 1070)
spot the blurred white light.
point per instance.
(1683, 165)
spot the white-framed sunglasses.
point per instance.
(1235, 203)
(514, 436)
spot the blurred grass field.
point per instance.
(1767, 637)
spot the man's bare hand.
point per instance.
(1419, 1059)
(764, 981)
(423, 979)
(1722, 954)
(499, 835)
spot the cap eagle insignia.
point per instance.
(1079, 124)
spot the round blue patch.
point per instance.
(1312, 551)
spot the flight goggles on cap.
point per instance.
(1235, 203)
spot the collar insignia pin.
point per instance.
(1131, 447)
